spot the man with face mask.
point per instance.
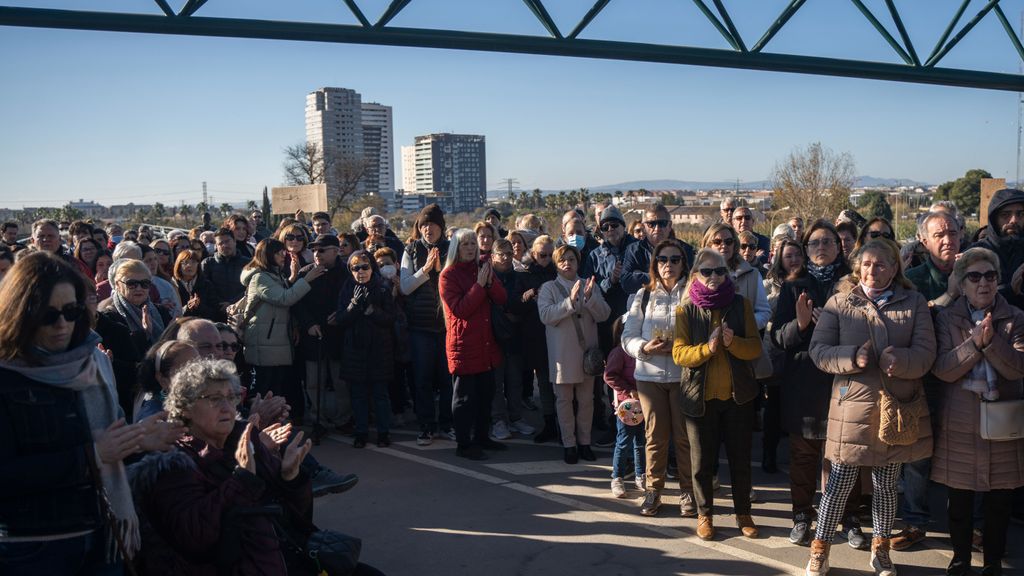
(321, 339)
(574, 233)
(1006, 237)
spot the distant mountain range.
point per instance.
(861, 181)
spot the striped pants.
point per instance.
(841, 479)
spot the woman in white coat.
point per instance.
(562, 303)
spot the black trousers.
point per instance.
(997, 506)
(471, 407)
(723, 420)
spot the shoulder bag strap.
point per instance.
(575, 317)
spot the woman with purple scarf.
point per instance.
(716, 342)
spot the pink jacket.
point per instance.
(618, 373)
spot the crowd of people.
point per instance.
(161, 393)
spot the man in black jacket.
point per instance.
(1005, 237)
(321, 338)
(222, 273)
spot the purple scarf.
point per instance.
(707, 298)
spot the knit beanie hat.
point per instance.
(612, 213)
(431, 213)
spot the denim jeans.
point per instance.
(361, 391)
(430, 375)
(82, 555)
(628, 437)
(916, 486)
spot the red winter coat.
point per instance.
(469, 339)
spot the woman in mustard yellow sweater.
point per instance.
(716, 342)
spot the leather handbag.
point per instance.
(333, 553)
(1002, 421)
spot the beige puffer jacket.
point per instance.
(963, 459)
(853, 418)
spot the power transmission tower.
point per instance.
(511, 184)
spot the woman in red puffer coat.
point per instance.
(468, 289)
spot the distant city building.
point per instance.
(409, 168)
(453, 169)
(379, 147)
(89, 209)
(334, 122)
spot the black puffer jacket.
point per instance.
(368, 333)
(222, 286)
(535, 346)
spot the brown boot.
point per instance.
(817, 565)
(705, 528)
(746, 525)
(880, 557)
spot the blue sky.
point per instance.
(122, 118)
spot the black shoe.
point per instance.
(471, 452)
(548, 433)
(571, 456)
(383, 440)
(586, 453)
(854, 535)
(327, 481)
(958, 568)
(360, 441)
(489, 444)
(801, 532)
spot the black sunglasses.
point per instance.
(70, 312)
(748, 246)
(294, 237)
(976, 277)
(657, 223)
(726, 241)
(133, 284)
(360, 267)
(667, 259)
(877, 233)
(608, 226)
(708, 272)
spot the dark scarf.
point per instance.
(824, 274)
(706, 298)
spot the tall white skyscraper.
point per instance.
(351, 133)
(379, 146)
(409, 168)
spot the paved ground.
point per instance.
(422, 510)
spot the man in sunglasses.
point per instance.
(743, 221)
(1006, 237)
(636, 264)
(725, 210)
(260, 230)
(223, 274)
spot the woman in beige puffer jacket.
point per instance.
(886, 338)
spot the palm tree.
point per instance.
(185, 210)
(251, 206)
(225, 209)
(536, 198)
(158, 212)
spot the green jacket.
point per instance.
(929, 280)
(267, 336)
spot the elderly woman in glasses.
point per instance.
(716, 340)
(981, 357)
(208, 500)
(875, 331)
(297, 255)
(877, 227)
(747, 281)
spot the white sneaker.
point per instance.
(641, 482)
(522, 427)
(450, 433)
(500, 431)
(687, 507)
(618, 489)
(753, 496)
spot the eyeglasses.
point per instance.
(162, 252)
(719, 271)
(233, 346)
(657, 223)
(133, 284)
(824, 243)
(503, 254)
(976, 277)
(877, 233)
(721, 241)
(609, 226)
(667, 259)
(748, 246)
(290, 237)
(742, 217)
(360, 268)
(231, 400)
(70, 312)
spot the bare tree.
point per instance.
(347, 172)
(814, 182)
(304, 164)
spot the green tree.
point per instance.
(158, 212)
(186, 210)
(877, 205)
(225, 209)
(250, 206)
(965, 191)
(536, 198)
(268, 213)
